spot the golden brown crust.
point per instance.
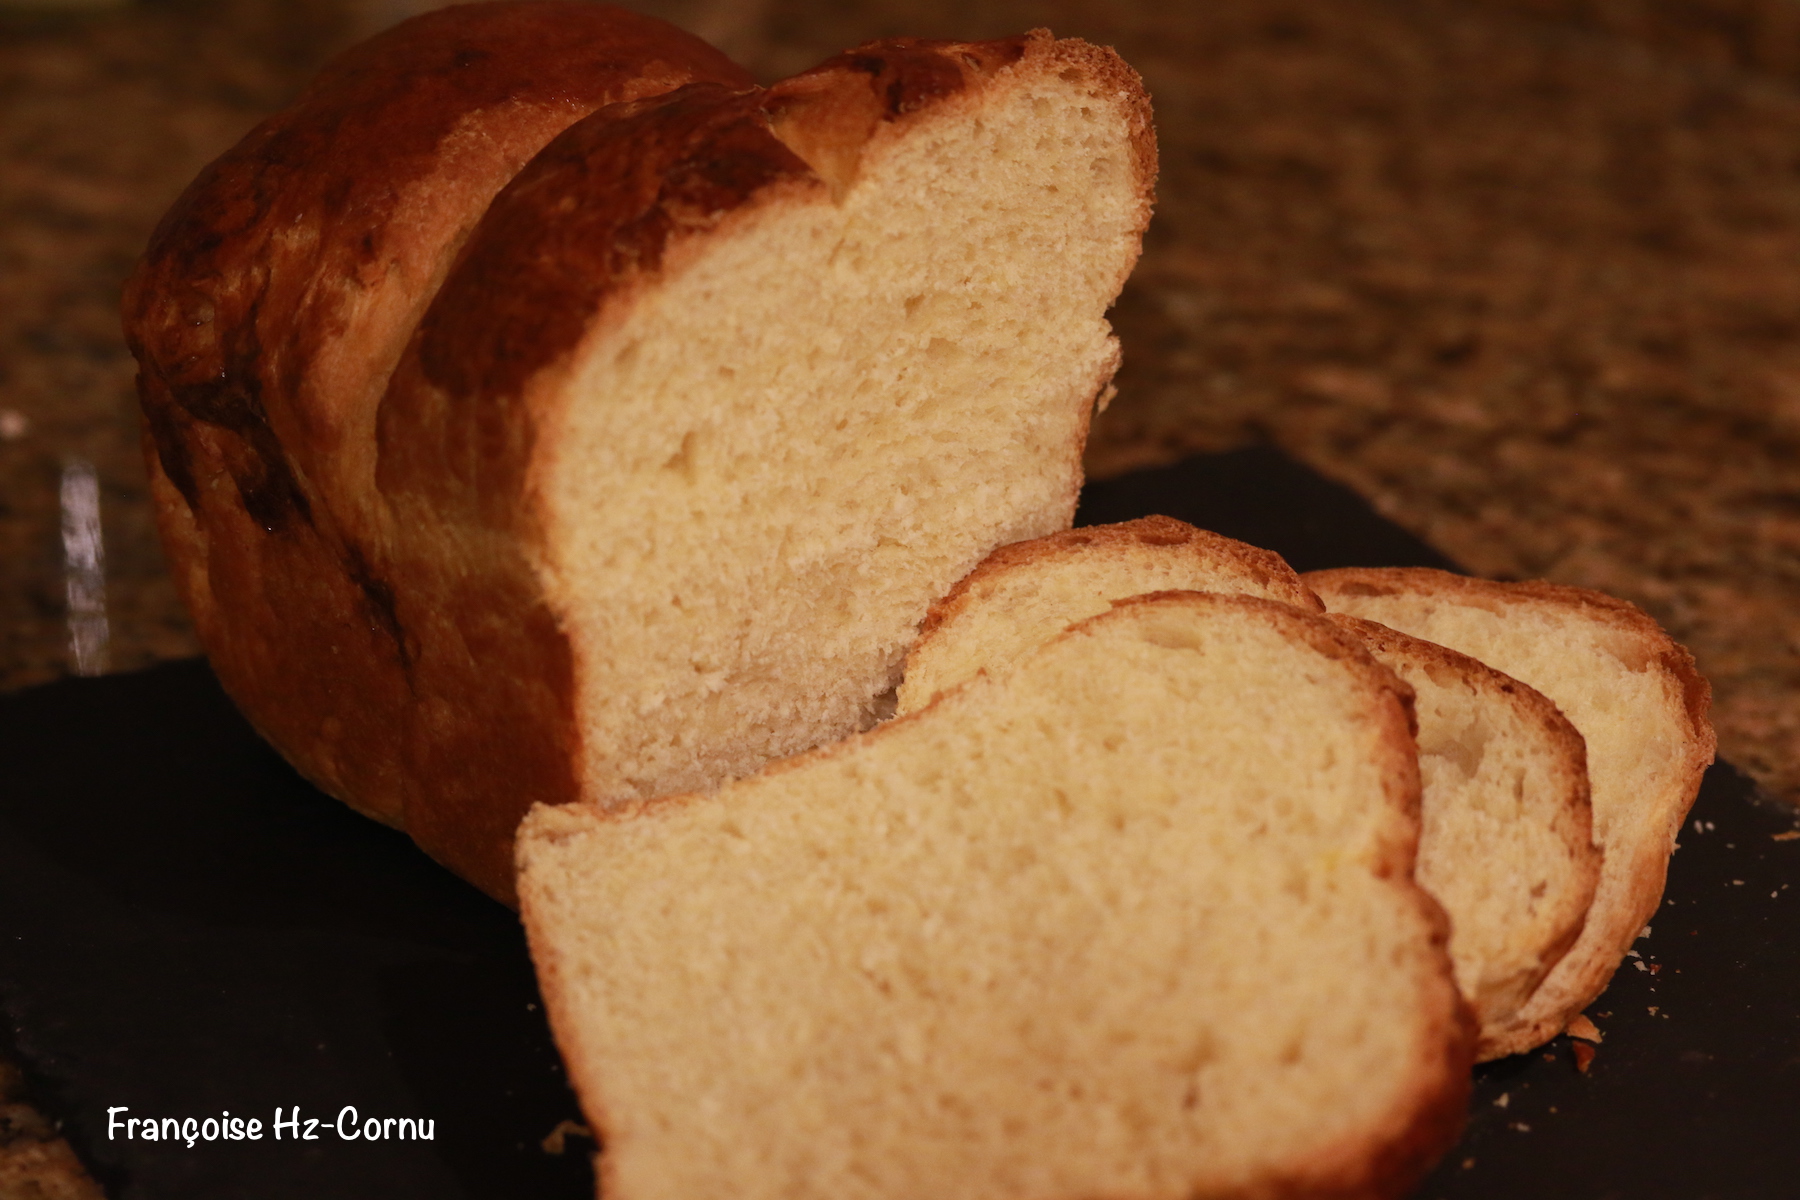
(1267, 567)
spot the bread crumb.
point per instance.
(1789, 836)
(1653, 1010)
(1584, 1056)
(1504, 1100)
(1582, 1027)
(554, 1142)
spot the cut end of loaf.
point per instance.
(767, 466)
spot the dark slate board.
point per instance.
(187, 928)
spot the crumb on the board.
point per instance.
(1580, 1026)
(554, 1142)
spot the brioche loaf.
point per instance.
(1506, 846)
(539, 409)
(1022, 595)
(1135, 917)
(1634, 695)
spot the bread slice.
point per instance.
(1134, 919)
(644, 468)
(1023, 594)
(1507, 845)
(1633, 693)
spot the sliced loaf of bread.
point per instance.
(1507, 844)
(1639, 704)
(539, 409)
(1133, 918)
(1022, 595)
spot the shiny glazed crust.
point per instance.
(273, 302)
(350, 364)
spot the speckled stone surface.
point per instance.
(1525, 272)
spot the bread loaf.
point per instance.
(538, 409)
(1506, 846)
(1634, 695)
(1134, 917)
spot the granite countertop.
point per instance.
(1526, 273)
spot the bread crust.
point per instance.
(1573, 984)
(1270, 568)
(346, 414)
(1429, 1113)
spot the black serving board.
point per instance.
(187, 928)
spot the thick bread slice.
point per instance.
(1133, 919)
(1024, 594)
(1632, 692)
(1507, 844)
(646, 471)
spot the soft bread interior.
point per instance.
(779, 457)
(1021, 596)
(1134, 919)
